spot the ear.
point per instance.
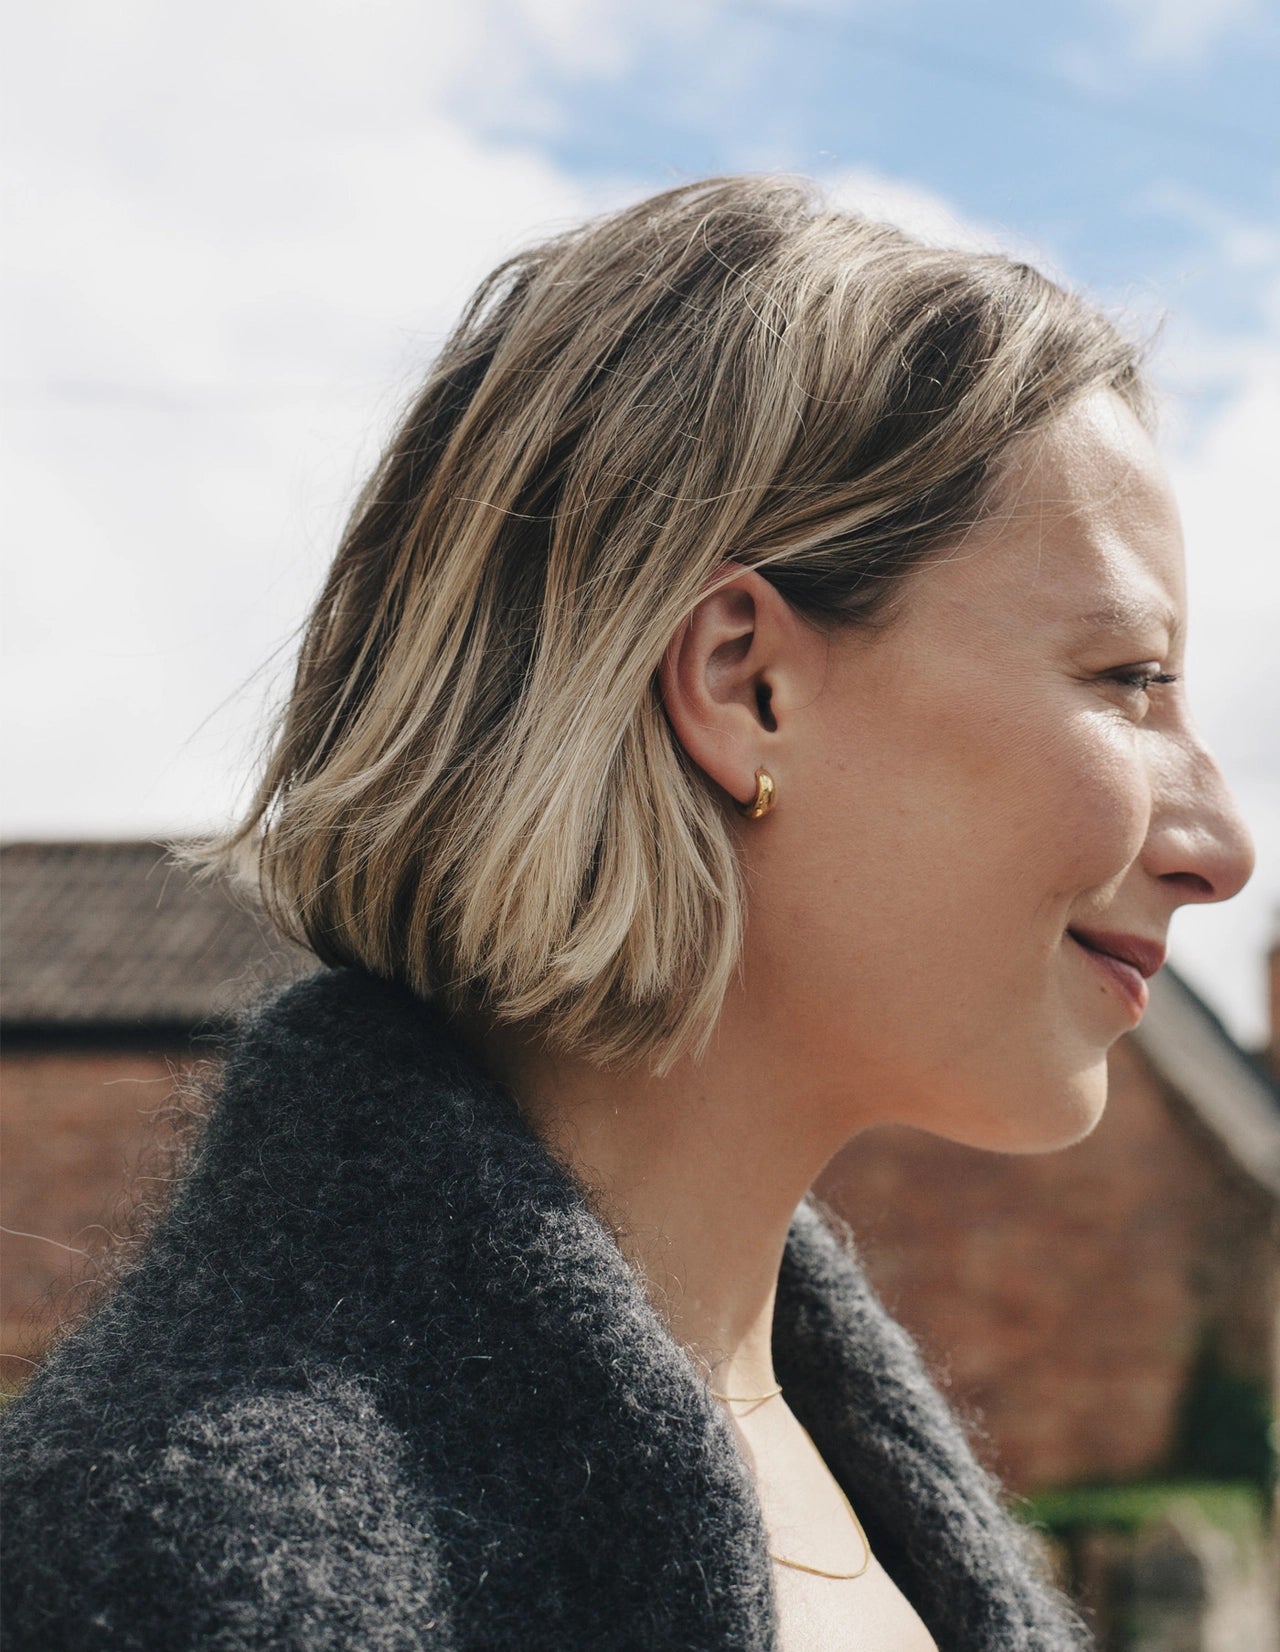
(733, 675)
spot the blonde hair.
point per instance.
(473, 788)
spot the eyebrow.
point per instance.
(1132, 616)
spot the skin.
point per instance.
(954, 793)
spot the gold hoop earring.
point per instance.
(763, 801)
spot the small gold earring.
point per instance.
(763, 801)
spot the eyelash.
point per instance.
(1144, 680)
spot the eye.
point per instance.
(1142, 678)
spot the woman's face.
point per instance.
(977, 788)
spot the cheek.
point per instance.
(974, 787)
(1033, 782)
(1092, 796)
(955, 834)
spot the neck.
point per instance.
(698, 1172)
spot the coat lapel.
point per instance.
(584, 1489)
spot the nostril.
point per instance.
(1191, 885)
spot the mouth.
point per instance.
(1127, 961)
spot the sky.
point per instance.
(235, 236)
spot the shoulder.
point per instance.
(261, 1518)
(217, 1457)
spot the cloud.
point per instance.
(237, 242)
(252, 205)
(926, 214)
(1177, 31)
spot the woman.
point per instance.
(744, 709)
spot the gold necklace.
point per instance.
(781, 1560)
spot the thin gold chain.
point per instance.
(782, 1560)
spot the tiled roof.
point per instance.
(117, 935)
(1194, 1055)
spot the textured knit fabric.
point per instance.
(382, 1380)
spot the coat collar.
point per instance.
(440, 1254)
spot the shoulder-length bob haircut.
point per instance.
(473, 788)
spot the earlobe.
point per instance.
(716, 688)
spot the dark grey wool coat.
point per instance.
(382, 1380)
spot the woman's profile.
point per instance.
(745, 708)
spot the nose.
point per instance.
(1199, 846)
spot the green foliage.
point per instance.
(1225, 1429)
(1234, 1506)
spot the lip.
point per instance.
(1127, 960)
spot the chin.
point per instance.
(1044, 1114)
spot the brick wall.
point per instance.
(1063, 1295)
(72, 1129)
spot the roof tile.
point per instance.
(118, 934)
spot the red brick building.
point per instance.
(1078, 1306)
(116, 969)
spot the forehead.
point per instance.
(1082, 533)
